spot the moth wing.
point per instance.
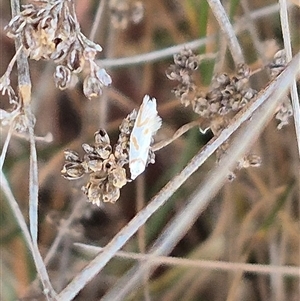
(147, 115)
(145, 126)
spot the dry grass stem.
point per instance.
(41, 269)
(182, 130)
(288, 48)
(225, 26)
(208, 264)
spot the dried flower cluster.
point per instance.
(103, 164)
(50, 30)
(226, 96)
(123, 12)
(285, 111)
(106, 175)
(16, 118)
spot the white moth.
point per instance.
(145, 126)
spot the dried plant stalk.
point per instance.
(157, 260)
(288, 48)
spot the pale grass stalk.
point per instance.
(5, 145)
(24, 85)
(217, 265)
(276, 279)
(200, 200)
(221, 56)
(284, 246)
(279, 250)
(288, 49)
(96, 22)
(33, 188)
(40, 266)
(140, 204)
(177, 228)
(157, 55)
(141, 234)
(283, 257)
(225, 26)
(294, 92)
(264, 11)
(241, 23)
(182, 130)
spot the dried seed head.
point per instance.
(92, 87)
(243, 71)
(118, 177)
(49, 30)
(220, 81)
(62, 77)
(110, 193)
(103, 151)
(121, 150)
(104, 78)
(226, 94)
(250, 160)
(137, 13)
(284, 113)
(75, 59)
(92, 164)
(93, 83)
(73, 171)
(186, 59)
(89, 149)
(173, 73)
(89, 53)
(109, 164)
(184, 93)
(93, 193)
(278, 63)
(200, 106)
(72, 156)
(101, 137)
(106, 177)
(123, 12)
(231, 176)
